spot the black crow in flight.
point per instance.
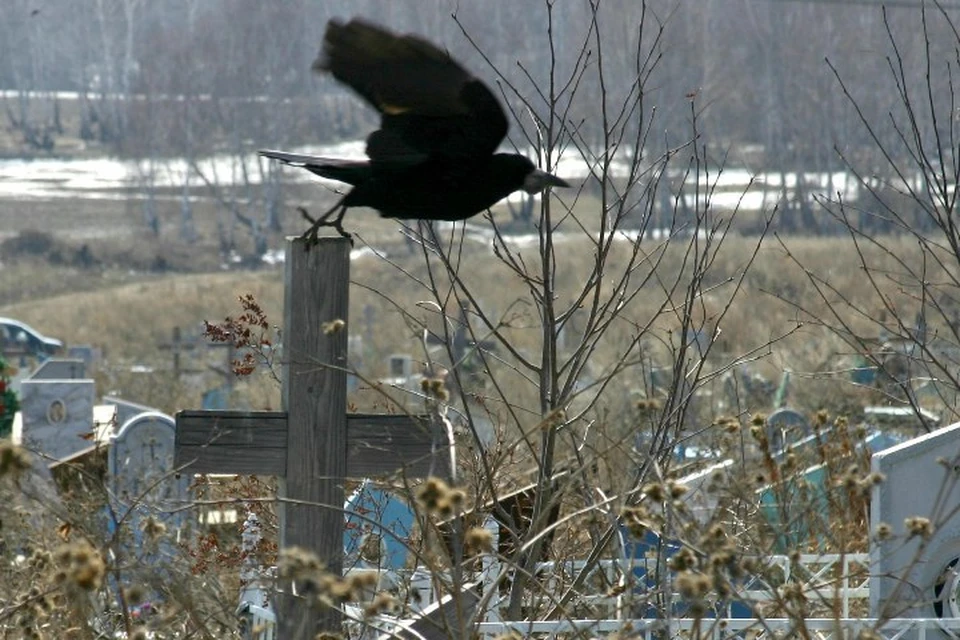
(433, 156)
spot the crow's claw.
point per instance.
(311, 236)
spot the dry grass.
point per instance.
(129, 313)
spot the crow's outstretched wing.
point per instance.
(430, 106)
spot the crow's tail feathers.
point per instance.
(349, 171)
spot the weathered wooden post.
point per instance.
(316, 283)
(313, 445)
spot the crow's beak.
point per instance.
(537, 180)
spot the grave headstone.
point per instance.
(126, 409)
(378, 525)
(60, 369)
(215, 399)
(915, 575)
(785, 426)
(89, 354)
(143, 478)
(56, 415)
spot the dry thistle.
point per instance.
(452, 503)
(676, 489)
(334, 326)
(730, 425)
(82, 564)
(698, 608)
(297, 563)
(637, 520)
(431, 492)
(724, 558)
(478, 540)
(134, 594)
(849, 481)
(883, 531)
(336, 591)
(435, 388)
(436, 496)
(360, 580)
(383, 602)
(792, 592)
(648, 405)
(153, 529)
(790, 462)
(750, 565)
(39, 559)
(683, 560)
(655, 491)
(693, 585)
(552, 420)
(919, 526)
(714, 538)
(14, 460)
(717, 482)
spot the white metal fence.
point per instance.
(840, 580)
(728, 629)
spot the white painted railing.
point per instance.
(830, 579)
(833, 579)
(264, 628)
(260, 623)
(820, 628)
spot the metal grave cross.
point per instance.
(313, 444)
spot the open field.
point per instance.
(127, 308)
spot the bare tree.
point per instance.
(600, 295)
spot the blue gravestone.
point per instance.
(377, 529)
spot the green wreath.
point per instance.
(9, 404)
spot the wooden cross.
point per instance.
(313, 444)
(178, 346)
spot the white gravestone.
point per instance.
(56, 415)
(142, 474)
(917, 575)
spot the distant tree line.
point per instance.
(182, 78)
